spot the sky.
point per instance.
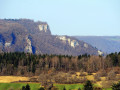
(68, 17)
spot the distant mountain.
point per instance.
(24, 35)
(107, 44)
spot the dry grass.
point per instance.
(90, 77)
(9, 79)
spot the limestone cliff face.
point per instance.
(24, 35)
(28, 47)
(79, 46)
(71, 42)
(43, 27)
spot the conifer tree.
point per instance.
(88, 85)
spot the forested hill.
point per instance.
(25, 35)
(31, 64)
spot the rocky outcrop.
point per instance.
(28, 47)
(100, 52)
(72, 43)
(7, 44)
(43, 27)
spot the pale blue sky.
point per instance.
(68, 17)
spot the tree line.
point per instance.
(20, 63)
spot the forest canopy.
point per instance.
(31, 64)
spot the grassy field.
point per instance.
(18, 86)
(6, 83)
(69, 86)
(36, 86)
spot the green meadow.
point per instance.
(18, 86)
(36, 86)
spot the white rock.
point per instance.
(43, 27)
(7, 44)
(72, 43)
(85, 45)
(99, 52)
(28, 48)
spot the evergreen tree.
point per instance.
(27, 87)
(116, 86)
(23, 88)
(88, 85)
(41, 88)
(64, 88)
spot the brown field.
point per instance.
(9, 79)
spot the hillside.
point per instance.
(25, 35)
(107, 44)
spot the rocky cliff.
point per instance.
(24, 35)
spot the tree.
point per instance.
(64, 88)
(116, 86)
(88, 85)
(41, 88)
(27, 87)
(23, 88)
